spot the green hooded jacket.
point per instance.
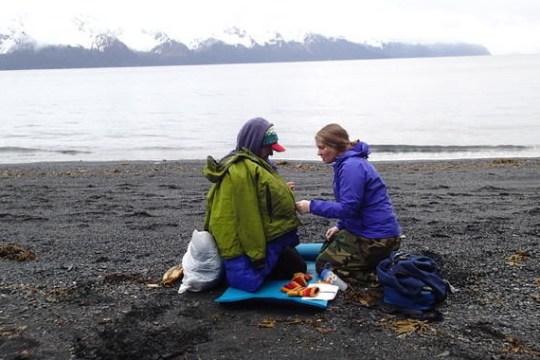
(248, 204)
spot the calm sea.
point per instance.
(430, 108)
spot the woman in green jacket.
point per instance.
(251, 211)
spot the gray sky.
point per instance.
(503, 26)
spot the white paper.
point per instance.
(326, 292)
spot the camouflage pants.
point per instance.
(354, 258)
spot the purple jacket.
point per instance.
(362, 204)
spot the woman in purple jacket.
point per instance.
(367, 229)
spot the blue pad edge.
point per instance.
(270, 289)
(309, 252)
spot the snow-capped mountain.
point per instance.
(108, 42)
(90, 44)
(13, 39)
(89, 33)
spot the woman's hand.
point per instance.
(291, 185)
(330, 233)
(302, 206)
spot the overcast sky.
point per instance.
(503, 26)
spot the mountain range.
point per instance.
(20, 51)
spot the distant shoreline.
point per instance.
(108, 51)
(386, 153)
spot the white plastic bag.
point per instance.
(201, 262)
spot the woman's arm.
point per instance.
(350, 185)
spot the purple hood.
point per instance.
(251, 135)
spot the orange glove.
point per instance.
(290, 286)
(301, 278)
(304, 291)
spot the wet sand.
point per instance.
(103, 234)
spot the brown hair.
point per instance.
(334, 136)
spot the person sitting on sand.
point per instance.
(251, 211)
(367, 229)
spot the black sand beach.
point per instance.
(103, 234)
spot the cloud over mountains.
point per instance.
(97, 47)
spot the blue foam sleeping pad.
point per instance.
(269, 290)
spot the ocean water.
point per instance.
(429, 108)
